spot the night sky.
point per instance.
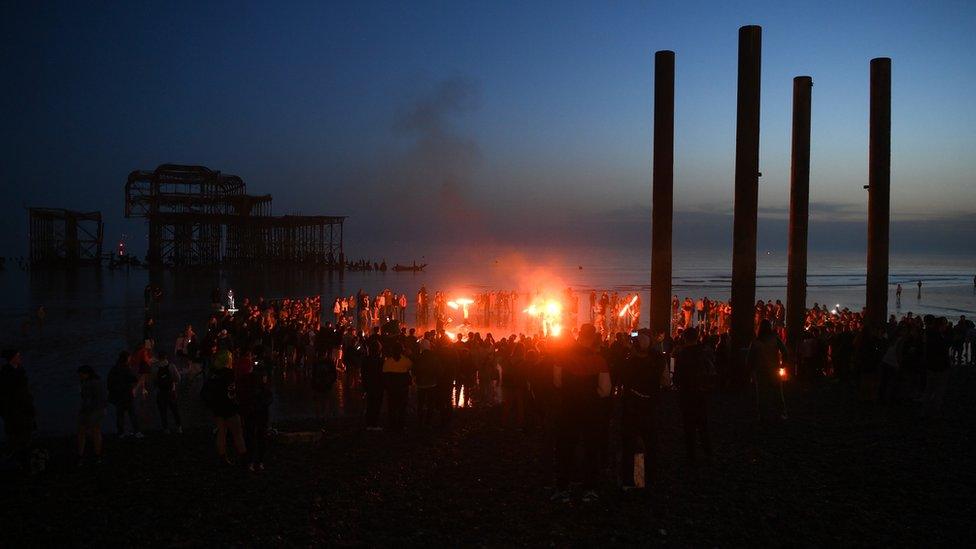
(485, 121)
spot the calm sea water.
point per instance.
(91, 314)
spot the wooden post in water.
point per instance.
(662, 192)
(796, 274)
(879, 192)
(746, 195)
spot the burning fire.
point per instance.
(462, 304)
(550, 313)
(782, 373)
(623, 311)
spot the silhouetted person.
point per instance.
(764, 360)
(919, 290)
(91, 412)
(373, 381)
(396, 381)
(692, 375)
(583, 379)
(16, 406)
(121, 392)
(641, 380)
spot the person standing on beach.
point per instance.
(641, 379)
(764, 360)
(372, 379)
(919, 290)
(582, 377)
(121, 392)
(219, 393)
(91, 412)
(898, 296)
(693, 372)
(166, 378)
(256, 397)
(426, 373)
(140, 362)
(396, 381)
(16, 406)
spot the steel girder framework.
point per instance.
(64, 237)
(199, 216)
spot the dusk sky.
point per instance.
(494, 119)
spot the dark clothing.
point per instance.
(17, 410)
(575, 425)
(256, 434)
(219, 393)
(936, 351)
(397, 390)
(641, 377)
(121, 410)
(121, 381)
(692, 376)
(373, 386)
(256, 397)
(165, 404)
(581, 418)
(638, 420)
(16, 402)
(93, 400)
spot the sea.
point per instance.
(90, 314)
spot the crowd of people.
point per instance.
(574, 386)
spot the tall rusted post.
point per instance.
(746, 194)
(662, 191)
(879, 192)
(796, 271)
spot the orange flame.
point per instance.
(623, 311)
(550, 313)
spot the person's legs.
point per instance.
(397, 405)
(247, 424)
(82, 438)
(18, 432)
(221, 437)
(374, 403)
(260, 436)
(702, 428)
(594, 446)
(176, 413)
(119, 419)
(237, 434)
(688, 421)
(96, 434)
(134, 419)
(628, 446)
(163, 415)
(520, 407)
(648, 433)
(421, 402)
(566, 437)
